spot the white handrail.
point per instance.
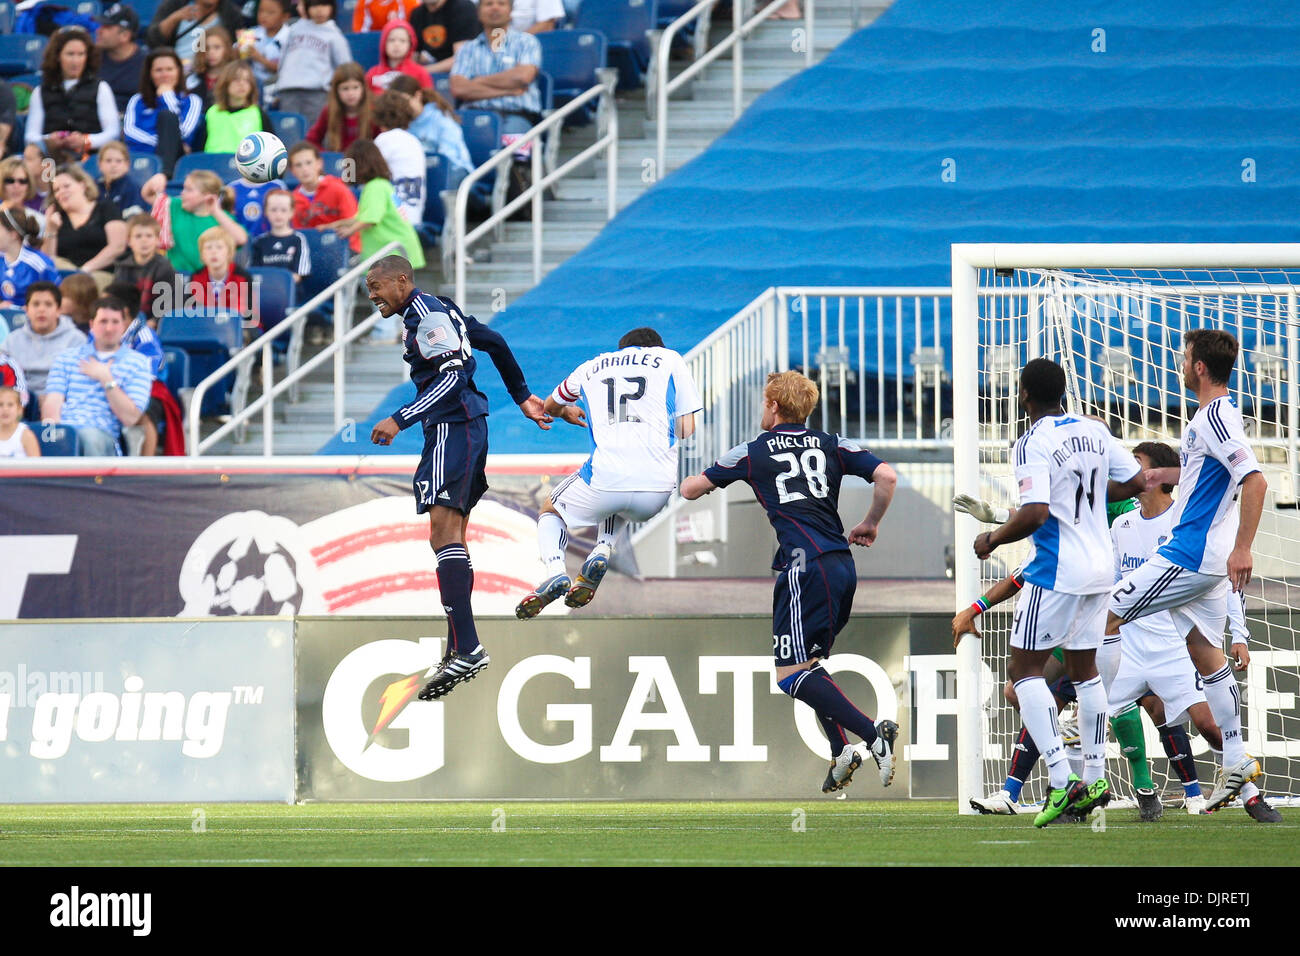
(501, 160)
(263, 344)
(736, 38)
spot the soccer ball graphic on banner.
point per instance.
(245, 578)
(261, 157)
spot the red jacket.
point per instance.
(351, 132)
(235, 295)
(378, 77)
(331, 202)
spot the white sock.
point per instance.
(1038, 712)
(1092, 728)
(608, 531)
(1248, 791)
(1075, 756)
(551, 541)
(1225, 704)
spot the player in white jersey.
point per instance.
(1066, 468)
(1209, 552)
(638, 403)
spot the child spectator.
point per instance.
(377, 218)
(79, 294)
(186, 217)
(264, 44)
(20, 264)
(349, 115)
(11, 376)
(35, 345)
(437, 128)
(371, 15)
(396, 58)
(115, 181)
(144, 267)
(218, 51)
(319, 199)
(162, 118)
(246, 203)
(221, 284)
(314, 49)
(283, 246)
(83, 230)
(234, 112)
(16, 439)
(403, 154)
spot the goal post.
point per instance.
(1113, 316)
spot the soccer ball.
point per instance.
(261, 157)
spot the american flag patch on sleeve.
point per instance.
(1237, 457)
(1026, 484)
(435, 335)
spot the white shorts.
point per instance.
(1151, 663)
(1047, 619)
(582, 506)
(1193, 600)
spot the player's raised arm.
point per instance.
(563, 402)
(733, 466)
(980, 510)
(696, 486)
(494, 344)
(963, 622)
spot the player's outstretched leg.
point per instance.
(465, 656)
(845, 758)
(552, 539)
(1239, 767)
(1023, 757)
(594, 568)
(1178, 748)
(1127, 725)
(816, 689)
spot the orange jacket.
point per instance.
(373, 14)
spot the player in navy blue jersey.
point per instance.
(795, 473)
(439, 342)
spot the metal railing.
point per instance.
(702, 12)
(241, 363)
(606, 140)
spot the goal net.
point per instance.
(1117, 330)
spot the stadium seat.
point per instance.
(333, 163)
(435, 181)
(329, 258)
(87, 8)
(670, 10)
(442, 83)
(145, 9)
(58, 441)
(275, 294)
(209, 339)
(365, 47)
(176, 369)
(482, 130)
(6, 16)
(4, 328)
(343, 14)
(290, 127)
(625, 24)
(13, 317)
(20, 53)
(223, 164)
(545, 91)
(572, 58)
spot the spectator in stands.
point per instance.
(144, 266)
(496, 71)
(441, 28)
(236, 110)
(35, 346)
(375, 14)
(79, 294)
(536, 16)
(162, 118)
(218, 51)
(396, 49)
(221, 284)
(115, 180)
(8, 120)
(403, 154)
(181, 23)
(139, 335)
(121, 59)
(20, 264)
(314, 50)
(162, 409)
(83, 230)
(789, 11)
(19, 190)
(264, 44)
(282, 246)
(377, 219)
(349, 114)
(319, 199)
(11, 376)
(16, 439)
(186, 217)
(437, 128)
(246, 203)
(100, 387)
(72, 111)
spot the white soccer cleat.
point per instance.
(842, 768)
(882, 751)
(1000, 803)
(1069, 727)
(1233, 780)
(1195, 806)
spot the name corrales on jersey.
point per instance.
(621, 359)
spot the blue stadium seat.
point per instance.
(482, 129)
(87, 8)
(64, 273)
(572, 58)
(58, 441)
(209, 339)
(20, 53)
(32, 80)
(343, 14)
(290, 127)
(6, 16)
(223, 164)
(670, 10)
(442, 83)
(333, 163)
(329, 260)
(625, 24)
(176, 370)
(275, 294)
(13, 317)
(435, 181)
(4, 328)
(365, 47)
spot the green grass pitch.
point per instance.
(817, 832)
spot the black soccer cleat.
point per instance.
(1150, 809)
(1260, 811)
(454, 669)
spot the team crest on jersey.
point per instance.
(8, 290)
(252, 211)
(1191, 436)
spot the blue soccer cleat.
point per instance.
(549, 590)
(589, 578)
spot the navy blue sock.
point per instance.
(835, 734)
(1023, 759)
(816, 689)
(1178, 748)
(456, 582)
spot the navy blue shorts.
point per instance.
(810, 605)
(452, 470)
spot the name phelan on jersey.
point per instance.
(792, 441)
(636, 358)
(1075, 445)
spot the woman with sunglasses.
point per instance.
(20, 264)
(72, 111)
(18, 190)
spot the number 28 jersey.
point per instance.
(1065, 462)
(796, 473)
